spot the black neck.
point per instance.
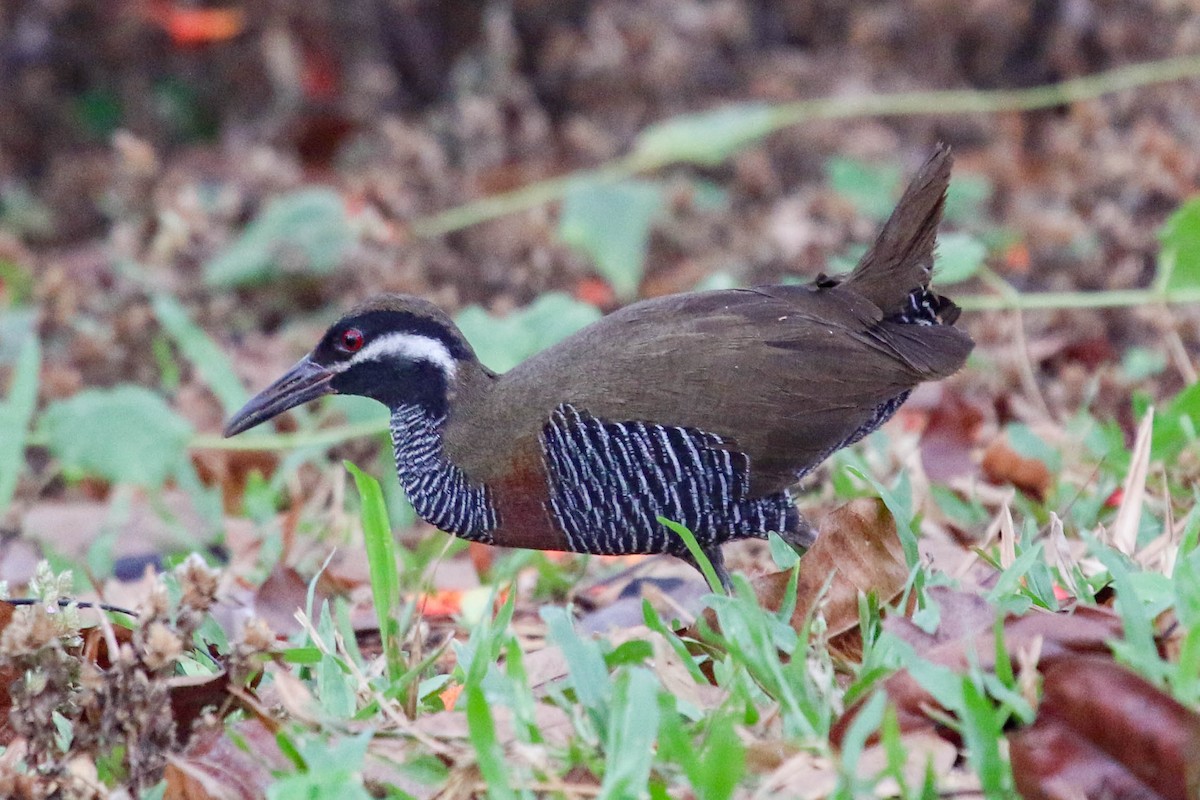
(438, 490)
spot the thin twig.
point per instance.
(1175, 346)
(1025, 365)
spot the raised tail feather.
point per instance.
(900, 262)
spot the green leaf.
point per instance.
(982, 730)
(196, 346)
(610, 224)
(124, 435)
(1177, 425)
(18, 281)
(636, 651)
(307, 231)
(871, 189)
(865, 722)
(629, 745)
(489, 755)
(1027, 443)
(1140, 363)
(16, 325)
(1011, 580)
(708, 137)
(333, 688)
(503, 342)
(15, 413)
(781, 552)
(1179, 258)
(585, 663)
(1186, 584)
(697, 553)
(1136, 623)
(718, 771)
(959, 257)
(381, 562)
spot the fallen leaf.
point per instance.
(1103, 731)
(1001, 464)
(191, 27)
(191, 694)
(8, 674)
(449, 696)
(1124, 531)
(553, 723)
(214, 768)
(595, 292)
(442, 603)
(281, 594)
(1051, 762)
(859, 548)
(969, 638)
(948, 442)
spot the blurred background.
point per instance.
(189, 192)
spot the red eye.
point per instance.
(352, 340)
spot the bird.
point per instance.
(703, 408)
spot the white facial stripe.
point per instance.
(410, 346)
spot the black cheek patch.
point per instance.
(397, 383)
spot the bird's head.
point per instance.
(397, 349)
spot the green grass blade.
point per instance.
(633, 725)
(585, 662)
(697, 552)
(982, 730)
(899, 503)
(381, 560)
(488, 753)
(197, 347)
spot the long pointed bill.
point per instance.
(306, 381)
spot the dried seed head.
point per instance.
(162, 646)
(158, 603)
(257, 635)
(198, 582)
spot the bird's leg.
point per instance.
(717, 559)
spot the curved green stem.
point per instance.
(326, 437)
(955, 101)
(1042, 301)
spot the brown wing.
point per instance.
(786, 377)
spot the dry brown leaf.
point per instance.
(552, 722)
(191, 694)
(948, 442)
(280, 596)
(1107, 732)
(969, 638)
(293, 694)
(7, 675)
(1002, 464)
(804, 776)
(859, 548)
(214, 768)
